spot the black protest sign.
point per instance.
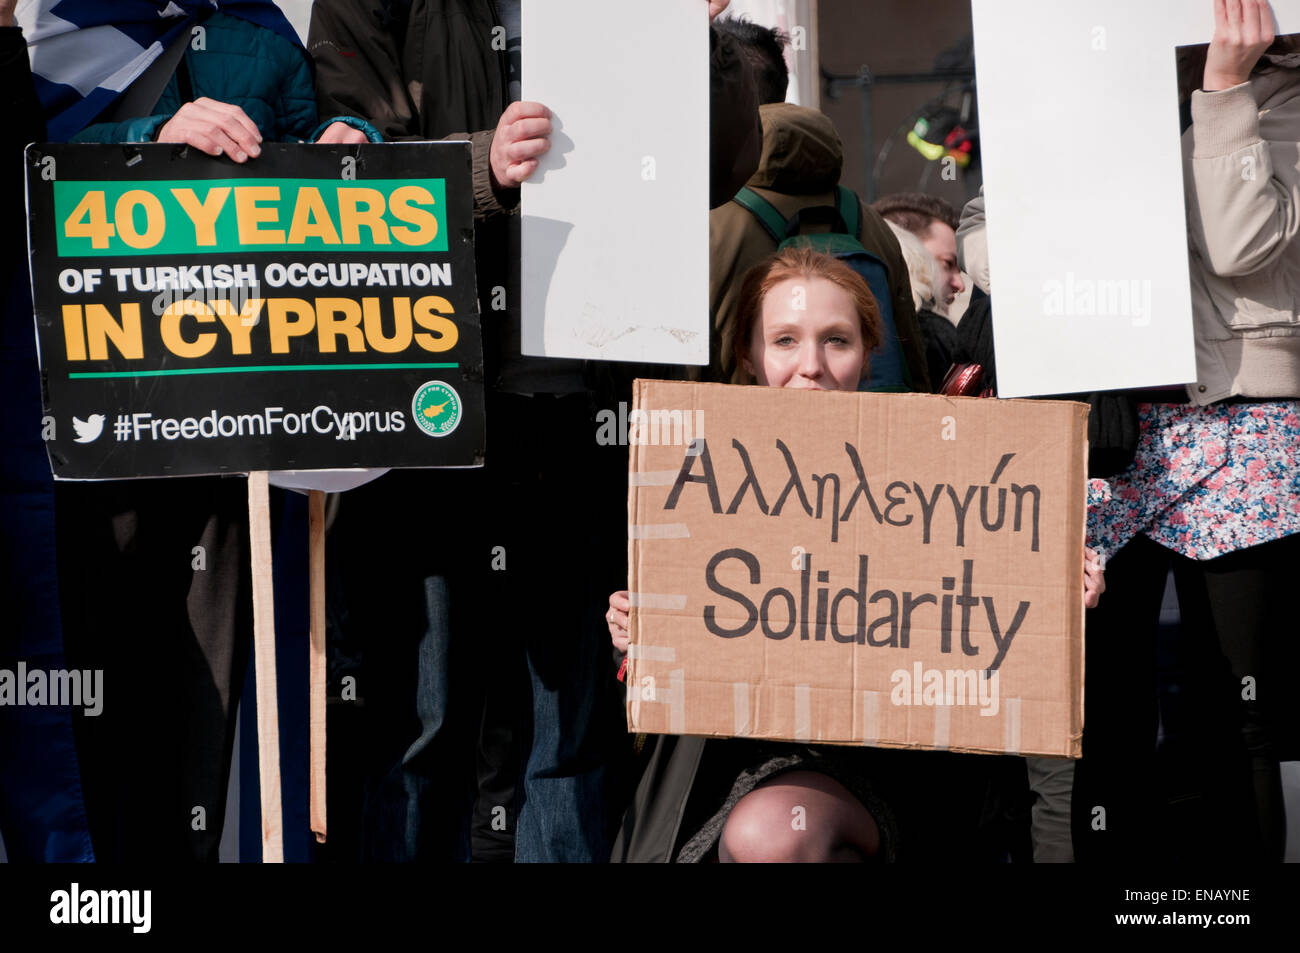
(312, 308)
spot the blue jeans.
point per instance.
(390, 607)
(476, 603)
(562, 816)
(560, 506)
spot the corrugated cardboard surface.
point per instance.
(708, 655)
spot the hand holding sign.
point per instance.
(619, 605)
(522, 137)
(342, 134)
(1243, 30)
(1094, 578)
(215, 128)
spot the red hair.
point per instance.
(807, 263)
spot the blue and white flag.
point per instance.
(86, 53)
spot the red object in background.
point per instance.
(963, 380)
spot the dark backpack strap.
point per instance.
(849, 211)
(816, 215)
(773, 222)
(184, 84)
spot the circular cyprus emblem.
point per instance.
(436, 408)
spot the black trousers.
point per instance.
(155, 591)
(1234, 613)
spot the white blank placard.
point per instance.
(1083, 187)
(615, 243)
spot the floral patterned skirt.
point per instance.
(1205, 481)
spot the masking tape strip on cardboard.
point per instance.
(802, 713)
(740, 704)
(656, 600)
(942, 727)
(677, 704)
(1011, 725)
(653, 653)
(870, 717)
(652, 478)
(674, 696)
(658, 531)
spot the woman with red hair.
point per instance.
(807, 321)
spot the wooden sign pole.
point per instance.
(268, 716)
(316, 658)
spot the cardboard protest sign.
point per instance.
(889, 569)
(1083, 183)
(312, 308)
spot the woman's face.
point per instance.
(809, 337)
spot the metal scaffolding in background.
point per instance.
(866, 81)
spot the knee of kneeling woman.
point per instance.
(801, 817)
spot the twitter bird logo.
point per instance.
(89, 429)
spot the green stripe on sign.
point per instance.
(182, 371)
(231, 216)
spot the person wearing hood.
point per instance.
(799, 167)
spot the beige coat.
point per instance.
(972, 244)
(1242, 176)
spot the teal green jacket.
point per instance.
(240, 63)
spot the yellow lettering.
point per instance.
(403, 209)
(251, 215)
(401, 338)
(74, 332)
(328, 326)
(352, 218)
(124, 216)
(429, 314)
(240, 323)
(89, 220)
(203, 214)
(170, 328)
(311, 219)
(102, 327)
(282, 328)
